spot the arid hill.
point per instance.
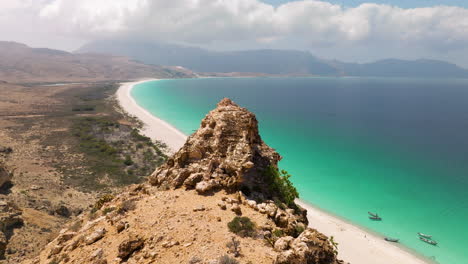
(220, 199)
(22, 64)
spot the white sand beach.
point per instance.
(154, 127)
(356, 245)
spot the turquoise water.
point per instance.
(398, 147)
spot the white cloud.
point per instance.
(316, 25)
(203, 21)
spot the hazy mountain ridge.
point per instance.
(268, 61)
(20, 63)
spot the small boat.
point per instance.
(375, 218)
(389, 239)
(429, 241)
(373, 214)
(424, 235)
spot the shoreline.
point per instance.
(153, 127)
(356, 245)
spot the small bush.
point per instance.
(227, 260)
(234, 247)
(242, 226)
(108, 210)
(128, 161)
(280, 184)
(278, 233)
(102, 200)
(126, 206)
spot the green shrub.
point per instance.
(128, 161)
(278, 233)
(108, 210)
(280, 184)
(102, 200)
(242, 226)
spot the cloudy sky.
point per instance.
(350, 30)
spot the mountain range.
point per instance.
(20, 63)
(268, 61)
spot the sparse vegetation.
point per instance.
(107, 210)
(227, 260)
(278, 233)
(126, 206)
(242, 226)
(334, 244)
(280, 184)
(103, 200)
(116, 151)
(234, 247)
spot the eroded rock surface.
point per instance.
(225, 153)
(5, 175)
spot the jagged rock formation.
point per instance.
(226, 152)
(181, 215)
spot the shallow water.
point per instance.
(398, 147)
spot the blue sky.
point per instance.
(399, 3)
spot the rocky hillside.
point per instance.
(219, 199)
(20, 64)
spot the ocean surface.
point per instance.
(398, 147)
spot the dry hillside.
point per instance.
(220, 199)
(22, 64)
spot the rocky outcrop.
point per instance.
(309, 247)
(5, 175)
(10, 218)
(225, 153)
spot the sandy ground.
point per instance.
(355, 244)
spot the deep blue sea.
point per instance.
(398, 147)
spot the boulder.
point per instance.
(95, 236)
(5, 175)
(130, 245)
(310, 247)
(236, 209)
(283, 243)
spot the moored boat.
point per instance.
(424, 235)
(389, 239)
(375, 218)
(429, 241)
(373, 214)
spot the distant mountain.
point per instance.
(277, 62)
(200, 60)
(404, 68)
(20, 63)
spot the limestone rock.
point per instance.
(95, 236)
(309, 248)
(65, 237)
(226, 152)
(283, 243)
(236, 209)
(130, 245)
